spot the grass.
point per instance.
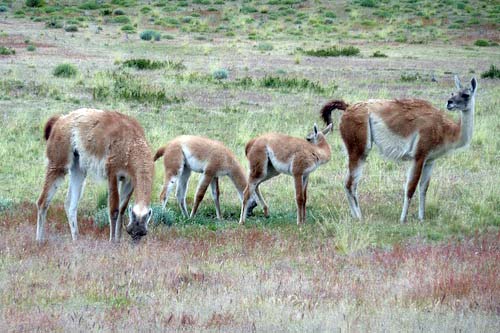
(201, 274)
(65, 70)
(333, 51)
(7, 51)
(150, 35)
(493, 73)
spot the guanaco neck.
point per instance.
(466, 124)
(143, 170)
(239, 179)
(322, 150)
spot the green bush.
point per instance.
(150, 34)
(71, 28)
(121, 19)
(492, 73)
(31, 48)
(3, 8)
(333, 51)
(368, 3)
(410, 76)
(53, 24)
(35, 3)
(6, 51)
(378, 54)
(147, 64)
(118, 12)
(220, 74)
(290, 83)
(265, 46)
(128, 28)
(481, 42)
(65, 70)
(5, 204)
(89, 5)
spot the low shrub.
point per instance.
(65, 70)
(71, 28)
(6, 51)
(220, 74)
(378, 54)
(31, 48)
(118, 12)
(3, 8)
(482, 43)
(147, 64)
(492, 73)
(90, 5)
(53, 24)
(333, 51)
(265, 47)
(410, 76)
(35, 3)
(128, 28)
(279, 82)
(121, 19)
(150, 35)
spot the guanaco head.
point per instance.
(317, 136)
(463, 99)
(139, 217)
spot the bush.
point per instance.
(31, 48)
(481, 42)
(35, 3)
(6, 51)
(144, 64)
(265, 47)
(150, 34)
(53, 24)
(119, 12)
(368, 3)
(220, 74)
(121, 19)
(5, 204)
(410, 76)
(290, 83)
(128, 28)
(333, 51)
(89, 5)
(378, 54)
(65, 70)
(492, 73)
(3, 8)
(71, 28)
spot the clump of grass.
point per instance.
(220, 74)
(5, 204)
(122, 19)
(333, 51)
(31, 48)
(71, 28)
(65, 70)
(90, 5)
(34, 3)
(128, 87)
(3, 8)
(6, 51)
(144, 64)
(368, 3)
(128, 28)
(348, 237)
(150, 35)
(378, 54)
(410, 76)
(53, 24)
(482, 43)
(279, 82)
(492, 73)
(265, 46)
(118, 12)
(161, 216)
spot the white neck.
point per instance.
(466, 126)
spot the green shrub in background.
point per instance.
(492, 73)
(150, 35)
(65, 70)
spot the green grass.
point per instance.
(493, 73)
(147, 64)
(65, 70)
(6, 51)
(333, 51)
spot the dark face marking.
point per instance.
(137, 228)
(460, 100)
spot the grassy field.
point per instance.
(232, 70)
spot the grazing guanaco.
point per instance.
(403, 129)
(211, 158)
(109, 145)
(274, 153)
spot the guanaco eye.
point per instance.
(465, 96)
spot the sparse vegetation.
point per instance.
(31, 48)
(143, 64)
(35, 3)
(333, 51)
(492, 73)
(150, 35)
(410, 76)
(379, 54)
(71, 28)
(220, 74)
(6, 51)
(3, 8)
(65, 70)
(481, 42)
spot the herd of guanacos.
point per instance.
(113, 147)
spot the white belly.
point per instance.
(280, 166)
(390, 144)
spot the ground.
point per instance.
(232, 70)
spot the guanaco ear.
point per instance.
(328, 129)
(473, 84)
(148, 217)
(457, 82)
(315, 129)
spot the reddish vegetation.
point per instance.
(163, 281)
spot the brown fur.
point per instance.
(48, 126)
(108, 142)
(270, 153)
(397, 125)
(217, 161)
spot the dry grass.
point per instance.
(240, 279)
